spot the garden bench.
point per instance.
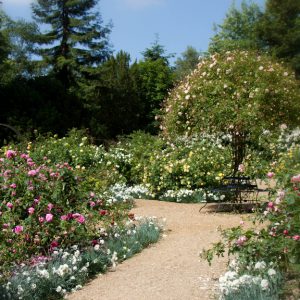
(237, 190)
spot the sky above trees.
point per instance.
(136, 22)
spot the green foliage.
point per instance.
(188, 61)
(154, 78)
(277, 239)
(40, 103)
(68, 270)
(230, 92)
(113, 98)
(238, 30)
(75, 40)
(279, 29)
(274, 29)
(40, 183)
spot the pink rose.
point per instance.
(41, 219)
(9, 205)
(271, 205)
(241, 240)
(296, 237)
(50, 206)
(79, 218)
(270, 175)
(11, 154)
(13, 185)
(295, 178)
(30, 210)
(18, 229)
(32, 173)
(49, 217)
(92, 194)
(92, 204)
(25, 156)
(64, 218)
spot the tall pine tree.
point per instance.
(75, 38)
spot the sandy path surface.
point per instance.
(170, 269)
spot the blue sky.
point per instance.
(178, 23)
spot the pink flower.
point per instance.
(271, 205)
(30, 210)
(296, 237)
(9, 205)
(18, 229)
(25, 156)
(49, 217)
(270, 175)
(92, 194)
(64, 218)
(79, 218)
(241, 168)
(13, 185)
(50, 206)
(41, 219)
(241, 240)
(11, 154)
(285, 232)
(295, 178)
(32, 173)
(92, 204)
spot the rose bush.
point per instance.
(277, 239)
(45, 206)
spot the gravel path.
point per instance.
(170, 269)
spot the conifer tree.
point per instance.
(75, 38)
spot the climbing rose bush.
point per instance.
(240, 91)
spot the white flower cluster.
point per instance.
(261, 279)
(120, 192)
(197, 195)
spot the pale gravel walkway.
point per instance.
(170, 269)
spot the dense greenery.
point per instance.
(275, 29)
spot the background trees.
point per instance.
(187, 62)
(275, 29)
(279, 30)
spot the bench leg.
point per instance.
(203, 206)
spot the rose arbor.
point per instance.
(239, 93)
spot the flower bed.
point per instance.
(68, 270)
